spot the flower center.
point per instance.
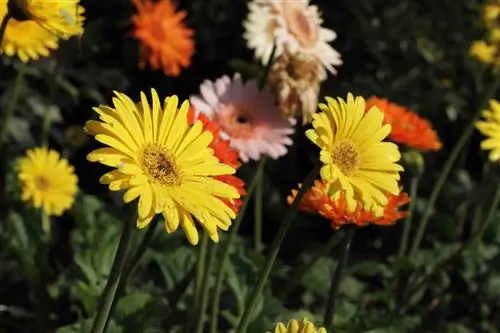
(42, 183)
(302, 27)
(235, 122)
(159, 165)
(346, 156)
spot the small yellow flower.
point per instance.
(491, 13)
(484, 52)
(353, 155)
(490, 127)
(48, 181)
(165, 162)
(37, 25)
(293, 326)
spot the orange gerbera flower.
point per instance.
(165, 41)
(225, 154)
(407, 127)
(317, 201)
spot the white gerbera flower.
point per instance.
(294, 26)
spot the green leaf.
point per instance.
(131, 304)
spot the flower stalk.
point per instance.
(405, 236)
(259, 189)
(108, 295)
(285, 224)
(130, 265)
(200, 317)
(457, 149)
(221, 269)
(337, 277)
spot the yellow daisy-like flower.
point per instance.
(490, 127)
(293, 326)
(353, 155)
(165, 162)
(484, 52)
(37, 25)
(47, 180)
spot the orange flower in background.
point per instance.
(165, 41)
(225, 154)
(317, 201)
(407, 127)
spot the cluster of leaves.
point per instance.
(402, 50)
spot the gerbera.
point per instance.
(407, 127)
(353, 155)
(225, 154)
(490, 127)
(316, 200)
(292, 25)
(248, 117)
(47, 180)
(37, 25)
(484, 52)
(165, 162)
(293, 326)
(297, 79)
(166, 42)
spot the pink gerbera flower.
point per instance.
(249, 118)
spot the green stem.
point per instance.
(337, 278)
(221, 269)
(405, 236)
(108, 295)
(285, 224)
(12, 103)
(130, 265)
(465, 246)
(257, 223)
(200, 272)
(303, 269)
(269, 64)
(457, 149)
(200, 318)
(47, 116)
(46, 227)
(478, 212)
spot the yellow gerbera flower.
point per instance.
(47, 180)
(165, 162)
(294, 326)
(37, 25)
(355, 158)
(490, 127)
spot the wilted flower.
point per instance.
(490, 127)
(316, 200)
(293, 326)
(165, 162)
(354, 157)
(36, 26)
(296, 79)
(248, 117)
(165, 40)
(407, 127)
(47, 180)
(292, 25)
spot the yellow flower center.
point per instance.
(41, 183)
(345, 156)
(160, 166)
